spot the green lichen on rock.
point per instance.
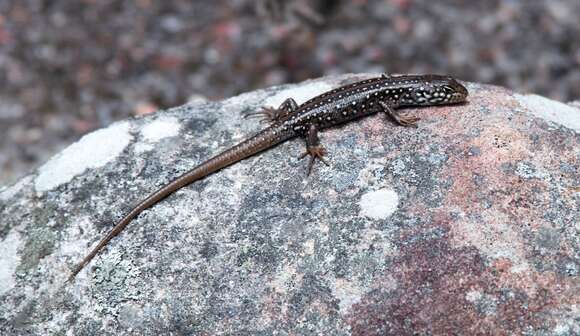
(40, 242)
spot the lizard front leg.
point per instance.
(397, 117)
(270, 114)
(313, 148)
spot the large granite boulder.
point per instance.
(468, 224)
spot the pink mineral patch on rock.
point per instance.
(444, 290)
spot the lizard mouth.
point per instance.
(460, 95)
(458, 98)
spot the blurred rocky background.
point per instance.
(68, 67)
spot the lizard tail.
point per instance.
(261, 141)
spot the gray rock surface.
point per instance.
(467, 224)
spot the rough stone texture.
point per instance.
(467, 225)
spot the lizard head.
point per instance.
(435, 90)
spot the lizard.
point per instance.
(383, 94)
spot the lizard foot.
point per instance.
(267, 114)
(403, 120)
(315, 152)
(407, 121)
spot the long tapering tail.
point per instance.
(259, 142)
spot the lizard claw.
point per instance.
(408, 120)
(315, 152)
(266, 114)
(403, 120)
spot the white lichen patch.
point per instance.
(300, 93)
(493, 235)
(348, 292)
(283, 279)
(376, 240)
(473, 296)
(379, 204)
(92, 151)
(7, 193)
(398, 166)
(527, 171)
(9, 260)
(72, 243)
(486, 304)
(309, 247)
(161, 128)
(142, 147)
(565, 328)
(551, 110)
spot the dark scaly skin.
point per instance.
(353, 101)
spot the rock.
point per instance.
(467, 224)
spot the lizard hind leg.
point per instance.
(313, 149)
(400, 119)
(269, 114)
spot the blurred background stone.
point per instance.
(67, 67)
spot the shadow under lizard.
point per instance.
(381, 94)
